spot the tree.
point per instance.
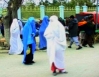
(13, 6)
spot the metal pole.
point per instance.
(97, 14)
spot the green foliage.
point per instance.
(55, 3)
(73, 3)
(81, 3)
(27, 14)
(36, 14)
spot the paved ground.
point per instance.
(79, 63)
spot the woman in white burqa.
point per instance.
(16, 45)
(56, 45)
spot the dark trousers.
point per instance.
(21, 36)
(22, 39)
(88, 40)
(2, 32)
(29, 57)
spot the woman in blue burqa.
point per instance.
(42, 40)
(29, 32)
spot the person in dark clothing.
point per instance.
(2, 28)
(37, 25)
(89, 33)
(73, 32)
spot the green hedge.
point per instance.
(28, 11)
(26, 15)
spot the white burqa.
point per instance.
(56, 42)
(16, 45)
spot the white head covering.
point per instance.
(55, 29)
(53, 21)
(14, 25)
(53, 18)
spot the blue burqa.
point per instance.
(42, 40)
(28, 33)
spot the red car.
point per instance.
(95, 15)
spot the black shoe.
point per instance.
(79, 48)
(43, 48)
(28, 63)
(22, 52)
(69, 47)
(91, 46)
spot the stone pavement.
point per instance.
(79, 63)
